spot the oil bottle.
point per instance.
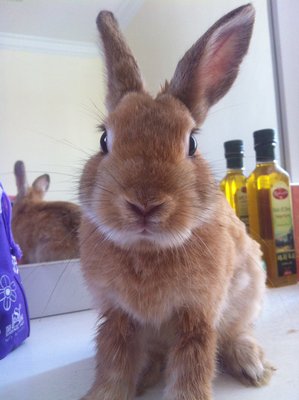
(233, 185)
(270, 211)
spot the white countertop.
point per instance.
(56, 362)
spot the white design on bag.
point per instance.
(17, 321)
(8, 293)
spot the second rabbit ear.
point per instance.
(122, 69)
(21, 180)
(42, 183)
(209, 68)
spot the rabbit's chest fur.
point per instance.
(147, 288)
(152, 286)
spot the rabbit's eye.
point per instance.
(104, 142)
(192, 145)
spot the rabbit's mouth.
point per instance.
(144, 226)
(150, 236)
(144, 232)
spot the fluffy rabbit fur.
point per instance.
(45, 230)
(177, 280)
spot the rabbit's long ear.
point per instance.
(210, 66)
(41, 184)
(122, 69)
(21, 180)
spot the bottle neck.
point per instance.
(234, 163)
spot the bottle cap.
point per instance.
(263, 137)
(234, 148)
(234, 153)
(264, 145)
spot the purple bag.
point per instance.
(14, 317)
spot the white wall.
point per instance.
(48, 114)
(160, 34)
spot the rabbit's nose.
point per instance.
(145, 211)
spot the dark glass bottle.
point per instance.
(233, 185)
(270, 211)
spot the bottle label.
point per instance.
(283, 229)
(242, 205)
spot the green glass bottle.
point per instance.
(270, 211)
(233, 185)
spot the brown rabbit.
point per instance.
(176, 279)
(45, 230)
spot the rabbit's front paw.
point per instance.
(257, 374)
(245, 359)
